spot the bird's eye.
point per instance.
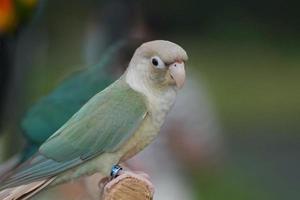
(157, 62)
(154, 61)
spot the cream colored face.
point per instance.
(157, 64)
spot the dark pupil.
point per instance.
(154, 62)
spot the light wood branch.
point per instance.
(129, 186)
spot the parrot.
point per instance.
(113, 126)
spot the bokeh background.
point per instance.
(242, 95)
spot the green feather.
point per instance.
(102, 125)
(99, 126)
(53, 110)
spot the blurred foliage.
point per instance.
(277, 17)
(255, 86)
(251, 81)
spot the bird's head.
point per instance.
(157, 64)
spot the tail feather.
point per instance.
(24, 192)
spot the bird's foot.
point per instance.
(115, 171)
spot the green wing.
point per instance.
(101, 125)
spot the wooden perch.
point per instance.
(129, 186)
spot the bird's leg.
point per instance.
(115, 171)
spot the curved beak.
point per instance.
(177, 73)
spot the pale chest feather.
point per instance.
(148, 130)
(160, 106)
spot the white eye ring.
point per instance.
(157, 62)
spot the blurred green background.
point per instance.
(246, 53)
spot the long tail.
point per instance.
(24, 192)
